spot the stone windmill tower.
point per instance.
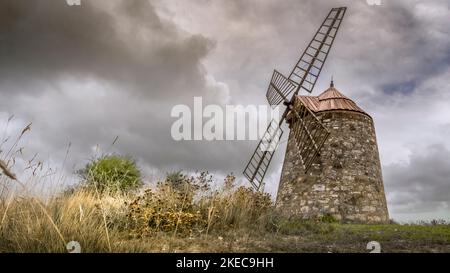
(345, 179)
(332, 166)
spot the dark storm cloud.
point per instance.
(45, 40)
(107, 68)
(414, 44)
(423, 183)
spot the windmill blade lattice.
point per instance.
(259, 162)
(308, 68)
(309, 134)
(279, 89)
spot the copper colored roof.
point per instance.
(330, 99)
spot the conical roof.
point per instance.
(330, 99)
(331, 93)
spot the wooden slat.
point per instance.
(309, 134)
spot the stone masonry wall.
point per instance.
(345, 181)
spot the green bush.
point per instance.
(112, 173)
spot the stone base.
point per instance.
(344, 182)
(307, 199)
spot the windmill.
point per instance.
(309, 132)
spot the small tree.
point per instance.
(177, 180)
(112, 173)
(180, 182)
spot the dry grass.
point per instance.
(111, 223)
(31, 226)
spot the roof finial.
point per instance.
(332, 82)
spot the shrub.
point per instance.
(163, 209)
(112, 174)
(177, 180)
(191, 185)
(194, 208)
(170, 207)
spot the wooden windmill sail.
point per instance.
(310, 134)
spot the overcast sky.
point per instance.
(86, 74)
